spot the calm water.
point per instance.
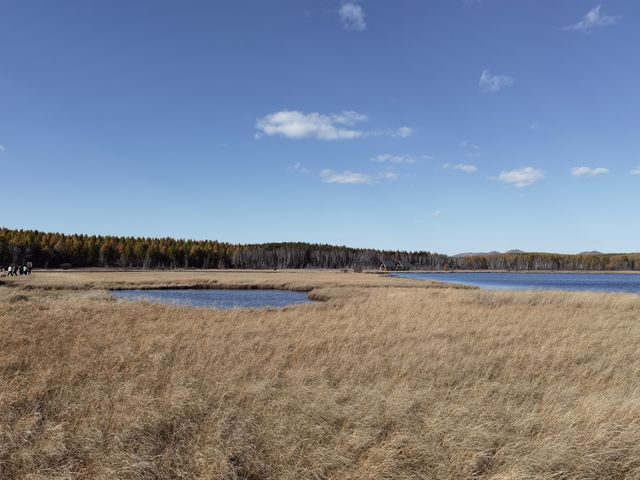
(597, 282)
(223, 299)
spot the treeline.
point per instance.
(550, 262)
(56, 250)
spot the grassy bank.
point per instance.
(386, 378)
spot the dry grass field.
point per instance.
(382, 379)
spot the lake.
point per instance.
(596, 282)
(222, 299)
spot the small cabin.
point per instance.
(402, 266)
(387, 266)
(392, 266)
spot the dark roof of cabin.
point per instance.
(388, 263)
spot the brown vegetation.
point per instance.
(385, 379)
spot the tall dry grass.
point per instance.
(379, 381)
(301, 280)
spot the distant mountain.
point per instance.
(488, 254)
(478, 254)
(592, 253)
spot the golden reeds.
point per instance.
(383, 379)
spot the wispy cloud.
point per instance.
(346, 177)
(402, 132)
(462, 167)
(298, 167)
(2, 149)
(494, 83)
(588, 172)
(593, 19)
(391, 175)
(434, 214)
(349, 177)
(635, 171)
(472, 150)
(352, 17)
(523, 177)
(387, 158)
(295, 124)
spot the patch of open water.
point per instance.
(596, 282)
(222, 299)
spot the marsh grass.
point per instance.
(383, 379)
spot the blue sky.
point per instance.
(444, 125)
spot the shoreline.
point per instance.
(107, 270)
(551, 272)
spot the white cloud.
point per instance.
(352, 17)
(2, 149)
(494, 83)
(295, 124)
(635, 171)
(462, 167)
(386, 158)
(524, 177)
(588, 172)
(591, 20)
(346, 177)
(436, 213)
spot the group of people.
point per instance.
(15, 270)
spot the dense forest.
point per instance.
(56, 250)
